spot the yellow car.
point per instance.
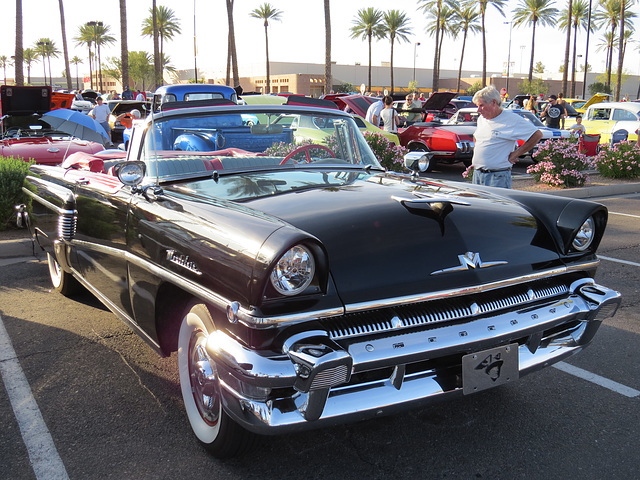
(580, 105)
(606, 118)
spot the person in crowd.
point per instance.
(373, 113)
(140, 96)
(389, 116)
(532, 105)
(127, 94)
(578, 127)
(413, 108)
(553, 113)
(563, 105)
(496, 137)
(100, 113)
(128, 120)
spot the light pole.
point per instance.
(417, 44)
(44, 67)
(509, 54)
(522, 47)
(195, 51)
(95, 26)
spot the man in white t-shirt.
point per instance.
(496, 139)
(373, 113)
(100, 114)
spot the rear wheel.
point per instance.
(431, 161)
(201, 390)
(62, 281)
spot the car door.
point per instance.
(100, 242)
(599, 121)
(625, 120)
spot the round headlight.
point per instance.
(584, 237)
(294, 271)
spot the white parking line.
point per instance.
(598, 380)
(626, 262)
(44, 457)
(624, 214)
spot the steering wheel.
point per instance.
(305, 149)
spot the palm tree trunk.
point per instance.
(124, 47)
(19, 73)
(567, 47)
(484, 53)
(464, 43)
(533, 44)
(90, 68)
(610, 54)
(228, 75)
(436, 59)
(391, 64)
(328, 78)
(620, 50)
(232, 43)
(573, 61)
(266, 43)
(157, 63)
(65, 51)
(369, 88)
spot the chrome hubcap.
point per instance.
(204, 380)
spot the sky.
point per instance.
(297, 37)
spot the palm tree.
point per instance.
(101, 38)
(578, 20)
(232, 55)
(532, 12)
(624, 6)
(328, 80)
(124, 43)
(467, 17)
(368, 25)
(608, 15)
(565, 17)
(76, 60)
(157, 65)
(434, 8)
(396, 27)
(484, 4)
(65, 51)
(442, 24)
(168, 26)
(46, 49)
(29, 55)
(266, 12)
(4, 61)
(85, 37)
(19, 54)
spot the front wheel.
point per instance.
(62, 281)
(201, 390)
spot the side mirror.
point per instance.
(418, 161)
(130, 173)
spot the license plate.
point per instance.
(489, 368)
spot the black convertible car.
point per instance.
(302, 285)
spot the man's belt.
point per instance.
(488, 170)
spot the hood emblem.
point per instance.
(468, 261)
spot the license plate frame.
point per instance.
(490, 368)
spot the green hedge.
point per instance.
(12, 174)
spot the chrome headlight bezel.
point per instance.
(294, 271)
(585, 235)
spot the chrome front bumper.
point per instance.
(325, 383)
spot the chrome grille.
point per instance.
(330, 377)
(67, 225)
(440, 311)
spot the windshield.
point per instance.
(192, 142)
(529, 116)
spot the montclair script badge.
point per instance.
(469, 261)
(183, 261)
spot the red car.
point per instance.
(452, 143)
(24, 135)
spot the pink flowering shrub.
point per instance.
(560, 164)
(390, 155)
(620, 161)
(468, 173)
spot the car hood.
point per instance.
(438, 101)
(359, 104)
(45, 150)
(597, 98)
(383, 242)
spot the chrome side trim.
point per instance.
(48, 204)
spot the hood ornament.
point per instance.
(468, 261)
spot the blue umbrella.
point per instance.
(76, 124)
